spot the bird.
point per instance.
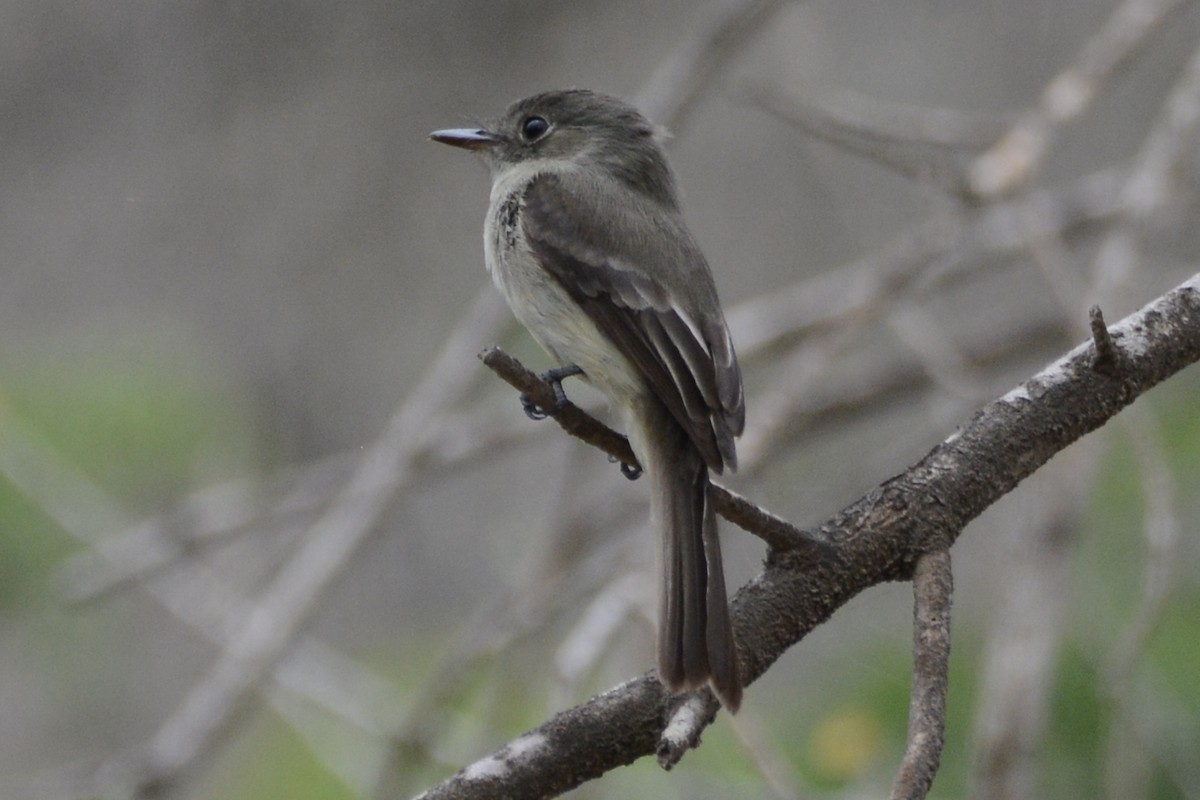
(585, 239)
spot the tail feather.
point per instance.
(722, 652)
(695, 636)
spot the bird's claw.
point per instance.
(628, 470)
(533, 410)
(555, 378)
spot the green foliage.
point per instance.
(31, 545)
(1175, 647)
(139, 420)
(1078, 721)
(277, 763)
(133, 422)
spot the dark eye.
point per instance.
(534, 128)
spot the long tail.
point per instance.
(695, 641)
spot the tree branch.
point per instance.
(778, 533)
(933, 584)
(879, 538)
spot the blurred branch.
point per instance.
(1012, 716)
(762, 748)
(856, 389)
(845, 117)
(879, 538)
(924, 144)
(927, 255)
(203, 600)
(270, 626)
(932, 254)
(676, 85)
(832, 312)
(942, 358)
(495, 627)
(205, 518)
(1153, 179)
(1025, 636)
(1161, 534)
(1173, 138)
(588, 641)
(1010, 162)
(1158, 726)
(1125, 760)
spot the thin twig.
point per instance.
(683, 728)
(775, 531)
(1107, 358)
(933, 585)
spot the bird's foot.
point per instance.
(555, 378)
(628, 470)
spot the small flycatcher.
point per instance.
(585, 240)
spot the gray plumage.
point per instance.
(585, 240)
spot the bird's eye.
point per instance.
(533, 128)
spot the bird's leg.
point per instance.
(555, 378)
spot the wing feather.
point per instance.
(685, 356)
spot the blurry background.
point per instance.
(229, 255)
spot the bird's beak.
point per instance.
(466, 138)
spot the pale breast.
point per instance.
(543, 306)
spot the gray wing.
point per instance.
(676, 335)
